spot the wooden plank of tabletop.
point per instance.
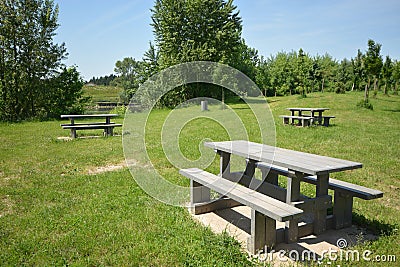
(307, 109)
(89, 116)
(293, 160)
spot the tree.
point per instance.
(302, 71)
(343, 77)
(373, 65)
(396, 76)
(64, 94)
(130, 76)
(198, 30)
(387, 70)
(326, 71)
(359, 73)
(29, 58)
(150, 61)
(187, 31)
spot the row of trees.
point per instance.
(106, 80)
(300, 73)
(33, 81)
(210, 30)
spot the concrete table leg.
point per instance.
(292, 194)
(342, 209)
(320, 215)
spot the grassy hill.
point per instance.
(102, 93)
(53, 211)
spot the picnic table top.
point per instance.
(308, 109)
(89, 116)
(293, 160)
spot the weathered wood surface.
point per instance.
(302, 120)
(83, 116)
(349, 188)
(91, 126)
(265, 211)
(82, 123)
(306, 163)
(308, 109)
(296, 117)
(266, 205)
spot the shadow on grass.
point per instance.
(392, 110)
(377, 227)
(272, 101)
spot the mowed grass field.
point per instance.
(54, 212)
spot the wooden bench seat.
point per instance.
(302, 120)
(265, 210)
(326, 120)
(343, 195)
(108, 128)
(92, 123)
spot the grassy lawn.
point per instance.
(52, 212)
(102, 93)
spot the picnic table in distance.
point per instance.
(313, 116)
(107, 125)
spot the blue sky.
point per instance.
(97, 33)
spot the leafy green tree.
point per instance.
(373, 65)
(359, 72)
(343, 78)
(326, 71)
(197, 30)
(130, 77)
(64, 94)
(396, 76)
(150, 61)
(303, 66)
(29, 57)
(387, 70)
(263, 77)
(187, 31)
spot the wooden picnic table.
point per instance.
(300, 164)
(269, 202)
(315, 113)
(89, 116)
(312, 110)
(108, 126)
(315, 116)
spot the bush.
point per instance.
(365, 104)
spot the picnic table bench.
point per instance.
(242, 188)
(265, 210)
(107, 126)
(314, 117)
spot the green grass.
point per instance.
(102, 93)
(53, 213)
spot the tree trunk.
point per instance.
(223, 98)
(375, 87)
(352, 87)
(323, 81)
